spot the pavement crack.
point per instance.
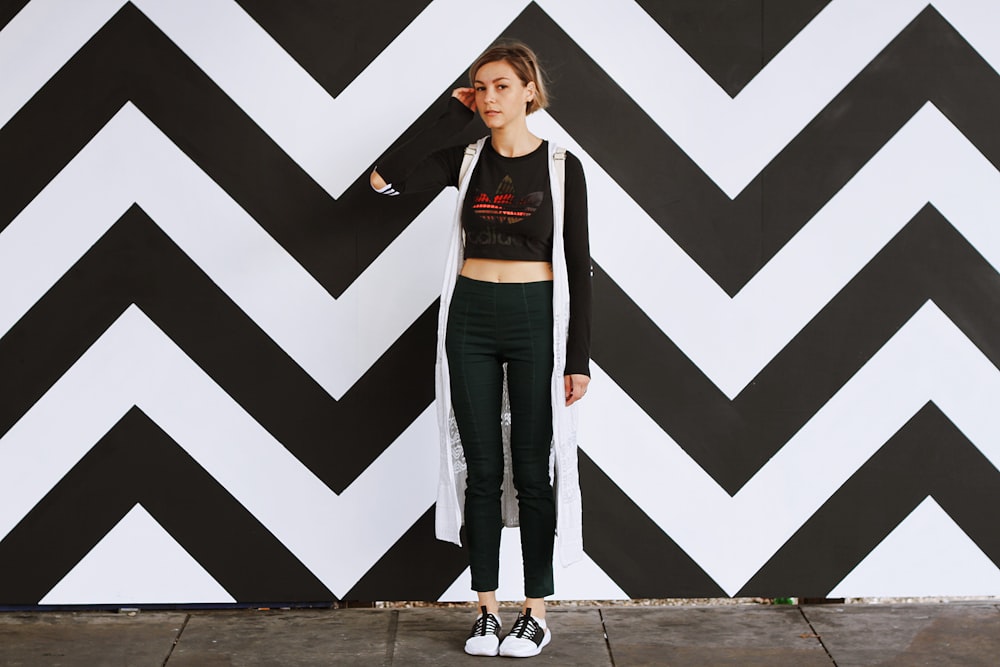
(390, 638)
(177, 639)
(817, 635)
(607, 641)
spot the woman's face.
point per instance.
(500, 96)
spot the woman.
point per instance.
(514, 334)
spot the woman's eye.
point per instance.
(480, 89)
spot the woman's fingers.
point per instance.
(576, 388)
(466, 96)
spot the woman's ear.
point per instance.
(532, 90)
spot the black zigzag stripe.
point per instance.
(136, 462)
(335, 240)
(733, 41)
(334, 41)
(417, 567)
(732, 440)
(929, 456)
(630, 548)
(135, 262)
(732, 239)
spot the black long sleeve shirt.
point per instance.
(507, 212)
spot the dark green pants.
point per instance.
(490, 324)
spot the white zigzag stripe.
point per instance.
(731, 139)
(332, 140)
(134, 363)
(39, 40)
(137, 560)
(732, 339)
(978, 22)
(130, 160)
(929, 359)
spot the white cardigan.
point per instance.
(563, 461)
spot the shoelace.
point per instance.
(525, 627)
(486, 624)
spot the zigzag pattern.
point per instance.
(928, 457)
(732, 240)
(333, 43)
(682, 312)
(259, 75)
(135, 263)
(734, 138)
(858, 419)
(749, 37)
(103, 487)
(793, 293)
(127, 161)
(746, 124)
(133, 363)
(731, 440)
(732, 339)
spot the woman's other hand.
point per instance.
(376, 181)
(576, 388)
(466, 96)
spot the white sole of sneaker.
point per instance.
(523, 650)
(482, 650)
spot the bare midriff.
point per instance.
(506, 270)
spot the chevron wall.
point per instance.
(216, 344)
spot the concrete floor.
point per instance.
(957, 633)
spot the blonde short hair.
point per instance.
(525, 64)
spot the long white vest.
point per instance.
(563, 462)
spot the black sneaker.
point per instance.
(526, 638)
(485, 636)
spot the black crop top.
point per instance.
(507, 212)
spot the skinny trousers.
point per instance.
(490, 324)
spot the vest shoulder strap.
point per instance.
(560, 158)
(470, 152)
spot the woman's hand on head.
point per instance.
(466, 96)
(576, 388)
